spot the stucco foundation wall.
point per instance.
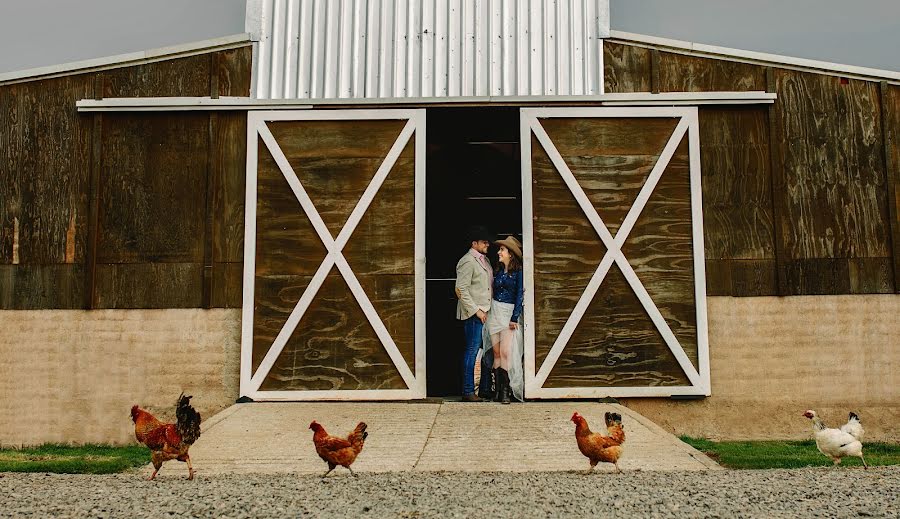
(72, 376)
(772, 358)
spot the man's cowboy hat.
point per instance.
(512, 245)
(479, 233)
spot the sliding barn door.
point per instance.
(615, 288)
(334, 255)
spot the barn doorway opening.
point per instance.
(473, 176)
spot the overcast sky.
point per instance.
(35, 33)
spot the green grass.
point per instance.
(787, 454)
(67, 459)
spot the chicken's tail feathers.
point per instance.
(359, 434)
(853, 416)
(613, 419)
(188, 420)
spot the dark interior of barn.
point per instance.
(473, 176)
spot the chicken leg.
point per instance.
(331, 467)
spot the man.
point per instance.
(473, 284)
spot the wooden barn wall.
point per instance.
(800, 197)
(123, 210)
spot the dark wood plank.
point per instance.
(890, 127)
(10, 182)
(36, 287)
(228, 279)
(212, 187)
(394, 298)
(234, 71)
(871, 275)
(819, 276)
(185, 77)
(752, 277)
(274, 298)
(153, 188)
(718, 276)
(149, 285)
(93, 225)
(626, 68)
(230, 171)
(779, 197)
(333, 347)
(555, 296)
(616, 344)
(654, 71)
(336, 160)
(682, 73)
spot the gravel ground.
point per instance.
(824, 492)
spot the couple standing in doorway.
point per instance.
(490, 307)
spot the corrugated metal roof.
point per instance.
(316, 49)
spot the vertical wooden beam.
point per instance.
(776, 163)
(212, 183)
(93, 222)
(892, 176)
(654, 71)
(214, 75)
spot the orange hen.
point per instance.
(338, 451)
(597, 447)
(168, 441)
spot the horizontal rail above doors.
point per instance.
(170, 104)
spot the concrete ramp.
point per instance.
(448, 436)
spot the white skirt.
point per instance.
(498, 320)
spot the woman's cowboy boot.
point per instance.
(498, 386)
(504, 394)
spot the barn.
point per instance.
(711, 235)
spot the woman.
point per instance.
(503, 329)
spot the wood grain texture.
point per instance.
(682, 73)
(384, 240)
(564, 239)
(286, 242)
(333, 347)
(153, 188)
(234, 71)
(890, 112)
(27, 287)
(228, 202)
(737, 193)
(228, 280)
(836, 204)
(616, 344)
(660, 250)
(149, 285)
(610, 158)
(182, 77)
(626, 68)
(336, 160)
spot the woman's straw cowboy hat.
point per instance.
(512, 245)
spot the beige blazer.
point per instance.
(473, 284)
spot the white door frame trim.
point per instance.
(257, 128)
(688, 125)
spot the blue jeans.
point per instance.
(472, 328)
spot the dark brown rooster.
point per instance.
(168, 441)
(338, 451)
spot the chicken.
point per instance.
(836, 443)
(168, 441)
(338, 451)
(597, 447)
(854, 427)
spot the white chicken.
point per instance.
(837, 443)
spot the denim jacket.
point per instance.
(509, 288)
